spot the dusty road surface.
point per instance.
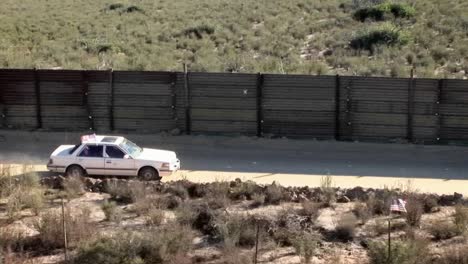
(437, 169)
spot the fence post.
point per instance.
(437, 110)
(409, 126)
(188, 118)
(64, 229)
(337, 107)
(85, 90)
(37, 91)
(389, 242)
(260, 80)
(256, 242)
(111, 103)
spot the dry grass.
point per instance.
(73, 187)
(112, 212)
(78, 225)
(414, 209)
(443, 230)
(155, 217)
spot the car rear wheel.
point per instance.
(75, 171)
(148, 174)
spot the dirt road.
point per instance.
(438, 169)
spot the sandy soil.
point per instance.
(436, 169)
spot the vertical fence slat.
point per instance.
(3, 110)
(260, 80)
(437, 110)
(410, 134)
(37, 91)
(337, 107)
(174, 97)
(349, 104)
(85, 90)
(188, 105)
(111, 103)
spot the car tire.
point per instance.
(148, 174)
(75, 171)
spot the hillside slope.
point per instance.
(295, 36)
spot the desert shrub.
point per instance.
(305, 246)
(407, 252)
(414, 211)
(328, 195)
(198, 216)
(345, 228)
(310, 209)
(178, 189)
(34, 199)
(133, 8)
(461, 218)
(171, 202)
(111, 211)
(258, 200)
(196, 190)
(457, 254)
(273, 194)
(145, 204)
(50, 227)
(126, 192)
(115, 6)
(234, 231)
(377, 206)
(245, 190)
(383, 11)
(73, 187)
(430, 203)
(362, 212)
(156, 246)
(155, 217)
(218, 195)
(443, 230)
(385, 34)
(14, 204)
(12, 239)
(198, 31)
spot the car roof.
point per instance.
(111, 140)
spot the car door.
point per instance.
(91, 158)
(118, 163)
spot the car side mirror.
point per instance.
(127, 156)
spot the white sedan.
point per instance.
(112, 155)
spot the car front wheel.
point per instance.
(75, 171)
(148, 174)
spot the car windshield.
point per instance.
(131, 148)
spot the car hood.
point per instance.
(157, 155)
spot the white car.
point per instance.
(112, 155)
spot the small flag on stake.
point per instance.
(398, 205)
(88, 138)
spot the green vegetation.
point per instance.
(384, 11)
(297, 36)
(385, 34)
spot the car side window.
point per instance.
(91, 151)
(114, 152)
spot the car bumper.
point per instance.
(174, 168)
(59, 169)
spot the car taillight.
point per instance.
(165, 165)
